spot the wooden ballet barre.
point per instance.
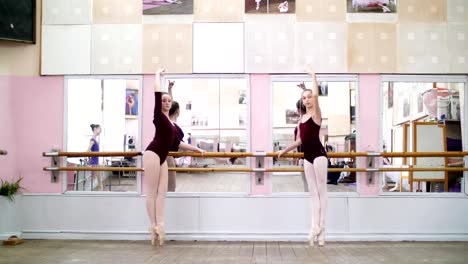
(425, 154)
(330, 154)
(211, 169)
(212, 154)
(92, 169)
(376, 154)
(92, 154)
(3, 152)
(250, 154)
(244, 169)
(297, 169)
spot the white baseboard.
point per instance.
(179, 236)
(4, 236)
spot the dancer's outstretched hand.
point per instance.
(160, 70)
(309, 69)
(280, 153)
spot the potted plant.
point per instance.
(9, 211)
(10, 189)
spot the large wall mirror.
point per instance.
(103, 114)
(423, 113)
(338, 102)
(213, 116)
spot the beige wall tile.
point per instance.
(218, 11)
(117, 11)
(321, 10)
(422, 11)
(168, 46)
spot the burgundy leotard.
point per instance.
(179, 136)
(311, 145)
(165, 131)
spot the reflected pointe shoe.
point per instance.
(161, 235)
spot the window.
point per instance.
(419, 114)
(113, 103)
(337, 101)
(213, 116)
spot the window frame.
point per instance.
(138, 146)
(246, 78)
(423, 79)
(320, 78)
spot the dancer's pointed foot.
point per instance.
(159, 230)
(321, 237)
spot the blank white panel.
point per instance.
(258, 48)
(116, 49)
(457, 41)
(429, 138)
(308, 36)
(435, 48)
(66, 50)
(323, 45)
(291, 215)
(283, 47)
(67, 12)
(406, 215)
(457, 10)
(218, 48)
(269, 47)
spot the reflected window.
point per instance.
(213, 116)
(337, 101)
(423, 117)
(103, 114)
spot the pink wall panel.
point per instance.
(368, 127)
(37, 107)
(260, 124)
(7, 163)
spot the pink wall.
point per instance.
(38, 107)
(7, 139)
(368, 129)
(260, 125)
(147, 129)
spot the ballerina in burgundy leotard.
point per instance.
(315, 159)
(154, 160)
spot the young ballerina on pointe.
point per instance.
(315, 159)
(154, 160)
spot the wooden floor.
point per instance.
(58, 251)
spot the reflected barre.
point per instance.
(92, 154)
(92, 169)
(3, 152)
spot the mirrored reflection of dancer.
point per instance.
(315, 159)
(94, 161)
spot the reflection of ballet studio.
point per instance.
(233, 131)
